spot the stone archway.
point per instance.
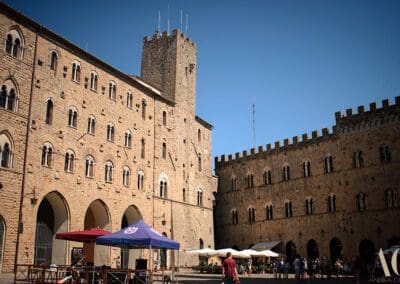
(128, 257)
(52, 217)
(291, 251)
(312, 249)
(97, 216)
(336, 250)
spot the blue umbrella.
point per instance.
(138, 235)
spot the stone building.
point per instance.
(331, 195)
(84, 145)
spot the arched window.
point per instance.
(332, 203)
(89, 166)
(94, 78)
(269, 212)
(233, 184)
(267, 177)
(112, 91)
(385, 153)
(91, 125)
(358, 159)
(250, 180)
(306, 168)
(235, 218)
(144, 105)
(140, 181)
(163, 188)
(201, 243)
(129, 99)
(47, 155)
(8, 96)
(72, 117)
(49, 112)
(128, 139)
(390, 198)
(53, 61)
(164, 118)
(110, 132)
(184, 195)
(361, 202)
(199, 135)
(252, 215)
(76, 72)
(288, 209)
(69, 161)
(309, 206)
(143, 148)
(126, 173)
(14, 44)
(286, 173)
(108, 172)
(199, 164)
(328, 164)
(164, 150)
(5, 151)
(199, 197)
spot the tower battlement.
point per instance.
(176, 33)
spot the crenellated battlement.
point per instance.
(347, 122)
(349, 118)
(288, 144)
(159, 37)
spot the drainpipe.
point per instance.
(25, 155)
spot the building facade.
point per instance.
(84, 145)
(331, 195)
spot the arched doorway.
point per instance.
(312, 249)
(97, 216)
(367, 251)
(2, 234)
(291, 251)
(128, 257)
(52, 217)
(336, 250)
(163, 256)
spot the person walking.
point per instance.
(229, 272)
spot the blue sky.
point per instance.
(297, 61)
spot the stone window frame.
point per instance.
(164, 150)
(112, 90)
(199, 135)
(361, 202)
(49, 111)
(53, 61)
(234, 214)
(286, 172)
(110, 132)
(142, 148)
(269, 211)
(385, 153)
(9, 88)
(251, 214)
(94, 81)
(309, 206)
(6, 150)
(14, 48)
(76, 71)
(126, 174)
(69, 161)
(358, 159)
(250, 180)
(108, 171)
(183, 195)
(90, 163)
(164, 118)
(140, 180)
(199, 197)
(128, 139)
(288, 209)
(91, 125)
(328, 163)
(163, 188)
(331, 203)
(73, 117)
(144, 109)
(306, 168)
(233, 183)
(267, 176)
(47, 155)
(390, 198)
(129, 99)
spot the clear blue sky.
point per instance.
(297, 61)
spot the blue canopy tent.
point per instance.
(138, 235)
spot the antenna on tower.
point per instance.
(168, 21)
(187, 23)
(181, 21)
(254, 126)
(159, 22)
